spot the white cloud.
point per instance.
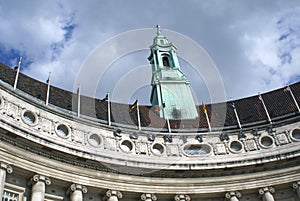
(241, 37)
(274, 51)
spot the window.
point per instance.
(13, 193)
(166, 61)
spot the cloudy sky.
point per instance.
(255, 44)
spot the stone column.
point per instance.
(266, 193)
(113, 195)
(296, 187)
(233, 195)
(182, 197)
(39, 183)
(148, 197)
(4, 167)
(76, 192)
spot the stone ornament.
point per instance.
(12, 110)
(220, 149)
(7, 167)
(182, 197)
(233, 195)
(296, 187)
(75, 187)
(250, 145)
(40, 178)
(78, 136)
(266, 189)
(282, 139)
(266, 193)
(148, 197)
(111, 193)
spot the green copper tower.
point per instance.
(171, 95)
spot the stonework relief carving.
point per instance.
(12, 110)
(282, 139)
(78, 136)
(110, 144)
(172, 150)
(141, 148)
(220, 149)
(46, 125)
(250, 145)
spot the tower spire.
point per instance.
(158, 29)
(171, 96)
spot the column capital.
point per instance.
(111, 193)
(296, 188)
(296, 185)
(264, 190)
(231, 194)
(146, 196)
(7, 167)
(182, 197)
(40, 178)
(75, 187)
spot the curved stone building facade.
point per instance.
(50, 152)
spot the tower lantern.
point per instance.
(171, 95)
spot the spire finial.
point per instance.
(158, 29)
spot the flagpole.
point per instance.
(169, 126)
(262, 100)
(206, 115)
(236, 115)
(78, 101)
(138, 115)
(17, 75)
(295, 101)
(108, 110)
(48, 89)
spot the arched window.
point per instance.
(166, 61)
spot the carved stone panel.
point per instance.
(110, 144)
(172, 150)
(141, 148)
(46, 125)
(250, 145)
(220, 149)
(78, 136)
(12, 110)
(282, 139)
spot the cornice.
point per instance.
(99, 179)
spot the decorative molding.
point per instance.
(148, 197)
(182, 197)
(7, 167)
(232, 194)
(264, 190)
(40, 178)
(296, 185)
(76, 187)
(111, 193)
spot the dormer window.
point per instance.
(162, 42)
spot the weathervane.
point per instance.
(158, 29)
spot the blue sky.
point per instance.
(254, 44)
